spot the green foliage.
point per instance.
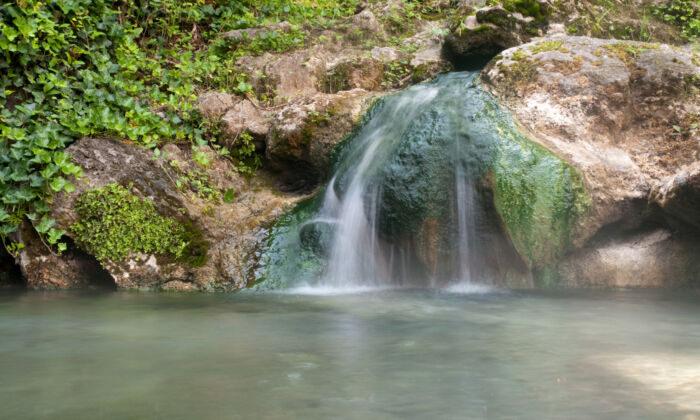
(126, 69)
(113, 222)
(525, 7)
(685, 14)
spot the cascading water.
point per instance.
(411, 198)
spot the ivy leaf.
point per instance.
(55, 235)
(58, 183)
(26, 26)
(10, 33)
(229, 196)
(45, 224)
(7, 228)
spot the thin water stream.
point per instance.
(392, 354)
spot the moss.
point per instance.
(525, 7)
(549, 45)
(628, 52)
(113, 222)
(541, 200)
(284, 258)
(521, 71)
(482, 28)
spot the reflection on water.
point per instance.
(391, 354)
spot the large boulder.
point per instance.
(223, 214)
(621, 114)
(303, 134)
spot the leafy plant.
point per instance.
(126, 69)
(682, 13)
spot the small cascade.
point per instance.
(411, 198)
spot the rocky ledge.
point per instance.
(624, 114)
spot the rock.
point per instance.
(365, 73)
(623, 20)
(45, 269)
(618, 113)
(10, 274)
(240, 35)
(244, 116)
(213, 105)
(178, 286)
(365, 25)
(609, 109)
(476, 38)
(679, 196)
(303, 134)
(656, 258)
(226, 235)
(385, 53)
(317, 236)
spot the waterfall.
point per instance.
(404, 204)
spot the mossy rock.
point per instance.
(541, 199)
(113, 223)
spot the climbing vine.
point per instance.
(127, 69)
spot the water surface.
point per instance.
(390, 354)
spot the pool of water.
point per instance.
(390, 354)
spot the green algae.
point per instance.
(541, 200)
(285, 258)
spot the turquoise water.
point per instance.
(392, 354)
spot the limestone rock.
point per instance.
(478, 37)
(656, 258)
(365, 25)
(231, 231)
(213, 105)
(607, 107)
(44, 269)
(679, 196)
(244, 116)
(303, 134)
(619, 113)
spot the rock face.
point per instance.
(680, 195)
(656, 258)
(317, 95)
(303, 135)
(621, 113)
(478, 35)
(180, 189)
